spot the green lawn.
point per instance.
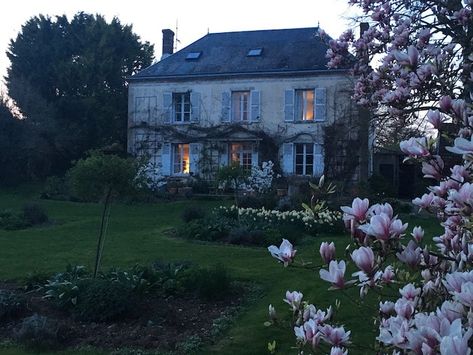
(136, 235)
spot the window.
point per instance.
(241, 153)
(304, 158)
(255, 52)
(180, 153)
(193, 55)
(240, 106)
(304, 110)
(181, 103)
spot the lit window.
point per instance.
(180, 160)
(182, 107)
(305, 105)
(304, 158)
(240, 105)
(241, 153)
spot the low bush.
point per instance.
(211, 283)
(12, 221)
(12, 305)
(102, 300)
(34, 214)
(191, 213)
(56, 188)
(38, 333)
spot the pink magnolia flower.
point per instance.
(435, 118)
(464, 196)
(300, 334)
(293, 299)
(465, 296)
(404, 308)
(335, 275)
(335, 336)
(451, 310)
(455, 340)
(386, 307)
(388, 274)
(415, 147)
(364, 259)
(411, 255)
(410, 58)
(433, 168)
(358, 209)
(445, 103)
(425, 201)
(379, 208)
(379, 226)
(418, 234)
(272, 312)
(335, 350)
(409, 292)
(462, 146)
(327, 252)
(285, 253)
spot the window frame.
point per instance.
(178, 160)
(305, 154)
(244, 152)
(300, 100)
(241, 103)
(181, 99)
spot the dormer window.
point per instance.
(193, 55)
(255, 52)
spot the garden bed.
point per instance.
(175, 323)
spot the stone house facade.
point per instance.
(244, 98)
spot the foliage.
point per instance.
(191, 213)
(231, 176)
(66, 76)
(211, 283)
(56, 188)
(63, 287)
(34, 214)
(38, 333)
(11, 305)
(103, 300)
(427, 65)
(92, 177)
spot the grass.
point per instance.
(137, 234)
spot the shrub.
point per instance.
(103, 300)
(34, 214)
(210, 283)
(11, 305)
(56, 188)
(191, 213)
(38, 333)
(12, 221)
(63, 287)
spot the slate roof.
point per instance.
(285, 51)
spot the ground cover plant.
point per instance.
(139, 235)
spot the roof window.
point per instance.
(255, 52)
(193, 55)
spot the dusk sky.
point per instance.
(193, 18)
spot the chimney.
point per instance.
(168, 43)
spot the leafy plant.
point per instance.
(11, 304)
(210, 283)
(34, 214)
(191, 213)
(38, 333)
(103, 300)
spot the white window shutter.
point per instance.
(320, 104)
(153, 109)
(225, 107)
(255, 105)
(289, 105)
(194, 157)
(167, 107)
(223, 152)
(319, 163)
(195, 106)
(288, 158)
(166, 157)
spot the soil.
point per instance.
(156, 323)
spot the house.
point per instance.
(247, 97)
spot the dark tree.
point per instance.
(67, 78)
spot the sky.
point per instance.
(193, 18)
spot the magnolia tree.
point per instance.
(425, 49)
